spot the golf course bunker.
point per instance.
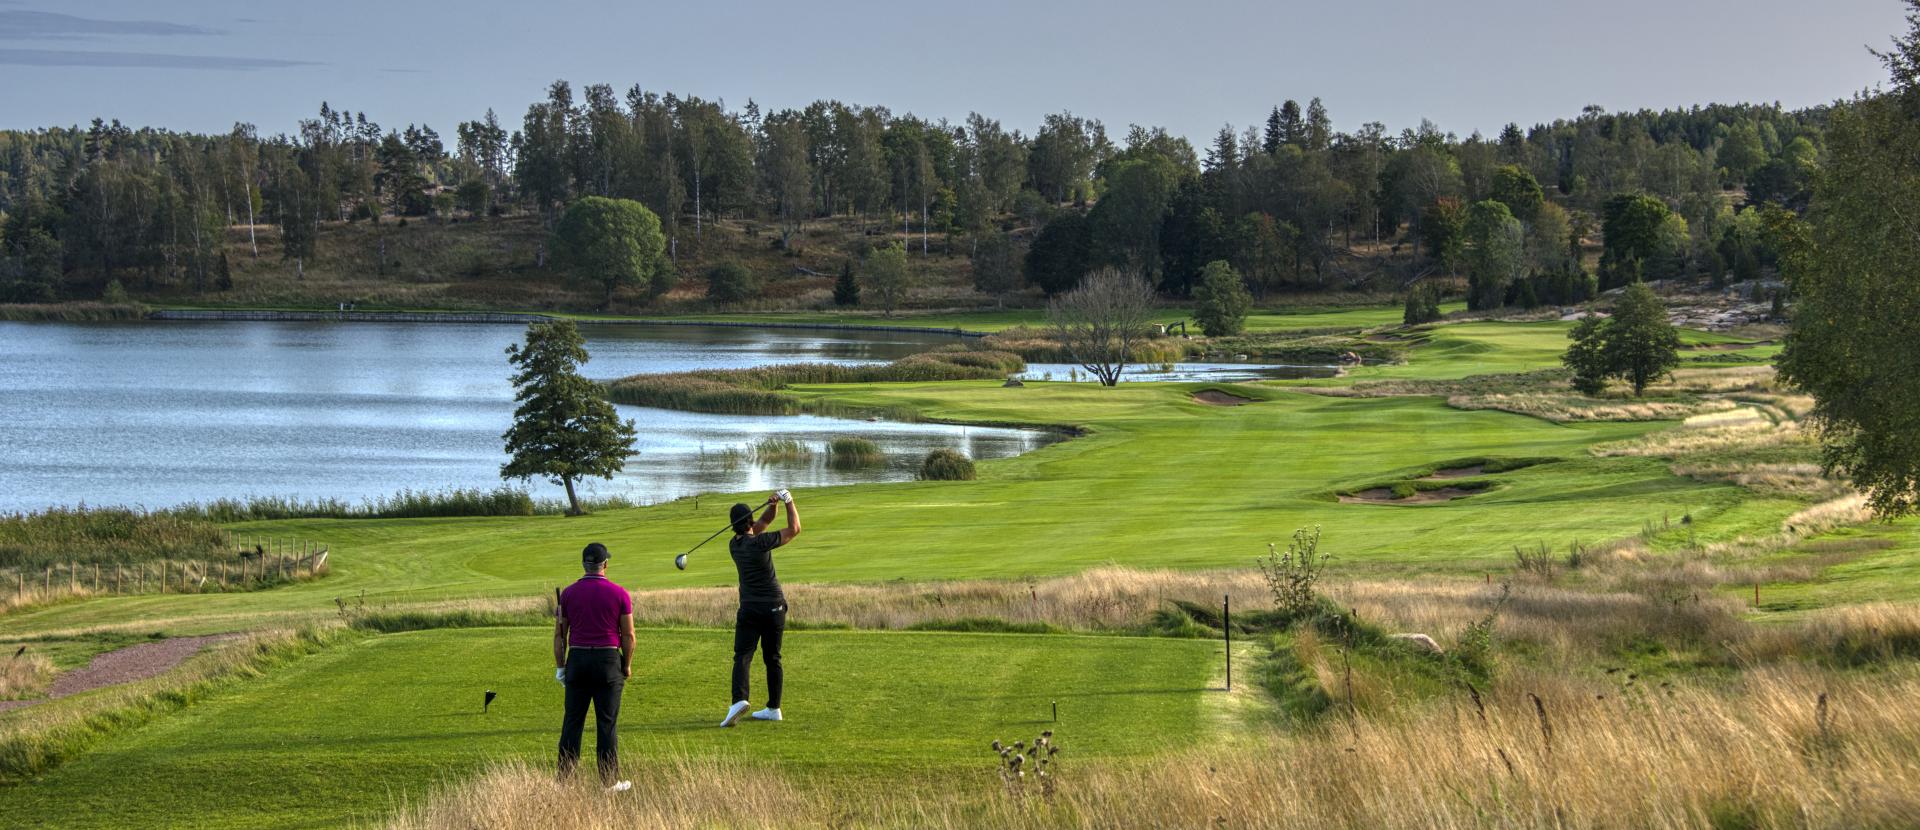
(1215, 397)
(1385, 495)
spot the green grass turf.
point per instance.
(344, 735)
(1159, 482)
(1877, 574)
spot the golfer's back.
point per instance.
(753, 558)
(593, 606)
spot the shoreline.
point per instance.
(519, 318)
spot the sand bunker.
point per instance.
(1215, 397)
(1383, 495)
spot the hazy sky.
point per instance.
(1190, 66)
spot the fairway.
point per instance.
(348, 733)
(1157, 481)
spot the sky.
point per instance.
(201, 65)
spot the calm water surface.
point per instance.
(157, 414)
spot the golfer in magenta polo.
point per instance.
(593, 657)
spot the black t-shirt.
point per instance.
(753, 557)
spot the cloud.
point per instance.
(32, 25)
(146, 60)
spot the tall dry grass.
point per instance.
(24, 675)
(1777, 748)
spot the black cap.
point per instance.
(742, 518)
(595, 554)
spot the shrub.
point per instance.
(946, 465)
(731, 282)
(114, 294)
(1423, 305)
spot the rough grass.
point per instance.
(1766, 752)
(24, 675)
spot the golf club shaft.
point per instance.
(716, 534)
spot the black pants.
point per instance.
(593, 676)
(763, 628)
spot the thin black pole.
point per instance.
(1226, 624)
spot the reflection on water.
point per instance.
(1183, 372)
(157, 414)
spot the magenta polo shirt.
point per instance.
(593, 607)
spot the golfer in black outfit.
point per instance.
(762, 618)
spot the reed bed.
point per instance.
(848, 453)
(103, 535)
(83, 312)
(761, 390)
(781, 451)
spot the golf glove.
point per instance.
(560, 676)
(785, 496)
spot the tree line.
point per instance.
(1287, 201)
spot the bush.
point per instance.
(731, 282)
(1423, 305)
(114, 294)
(946, 465)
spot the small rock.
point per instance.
(1419, 642)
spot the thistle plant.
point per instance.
(1292, 575)
(1028, 769)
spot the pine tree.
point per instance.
(563, 430)
(846, 289)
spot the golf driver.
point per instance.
(681, 560)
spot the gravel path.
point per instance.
(124, 665)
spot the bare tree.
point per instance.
(1099, 322)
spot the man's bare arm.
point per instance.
(626, 645)
(766, 518)
(793, 522)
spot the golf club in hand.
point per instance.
(780, 496)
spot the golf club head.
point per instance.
(680, 561)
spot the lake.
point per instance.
(156, 414)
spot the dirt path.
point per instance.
(124, 665)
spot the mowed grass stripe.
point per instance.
(1158, 481)
(343, 735)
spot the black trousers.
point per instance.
(593, 677)
(753, 627)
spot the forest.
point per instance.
(1292, 203)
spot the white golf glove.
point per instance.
(560, 676)
(784, 496)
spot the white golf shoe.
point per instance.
(734, 712)
(766, 714)
(620, 786)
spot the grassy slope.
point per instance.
(345, 734)
(1161, 481)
